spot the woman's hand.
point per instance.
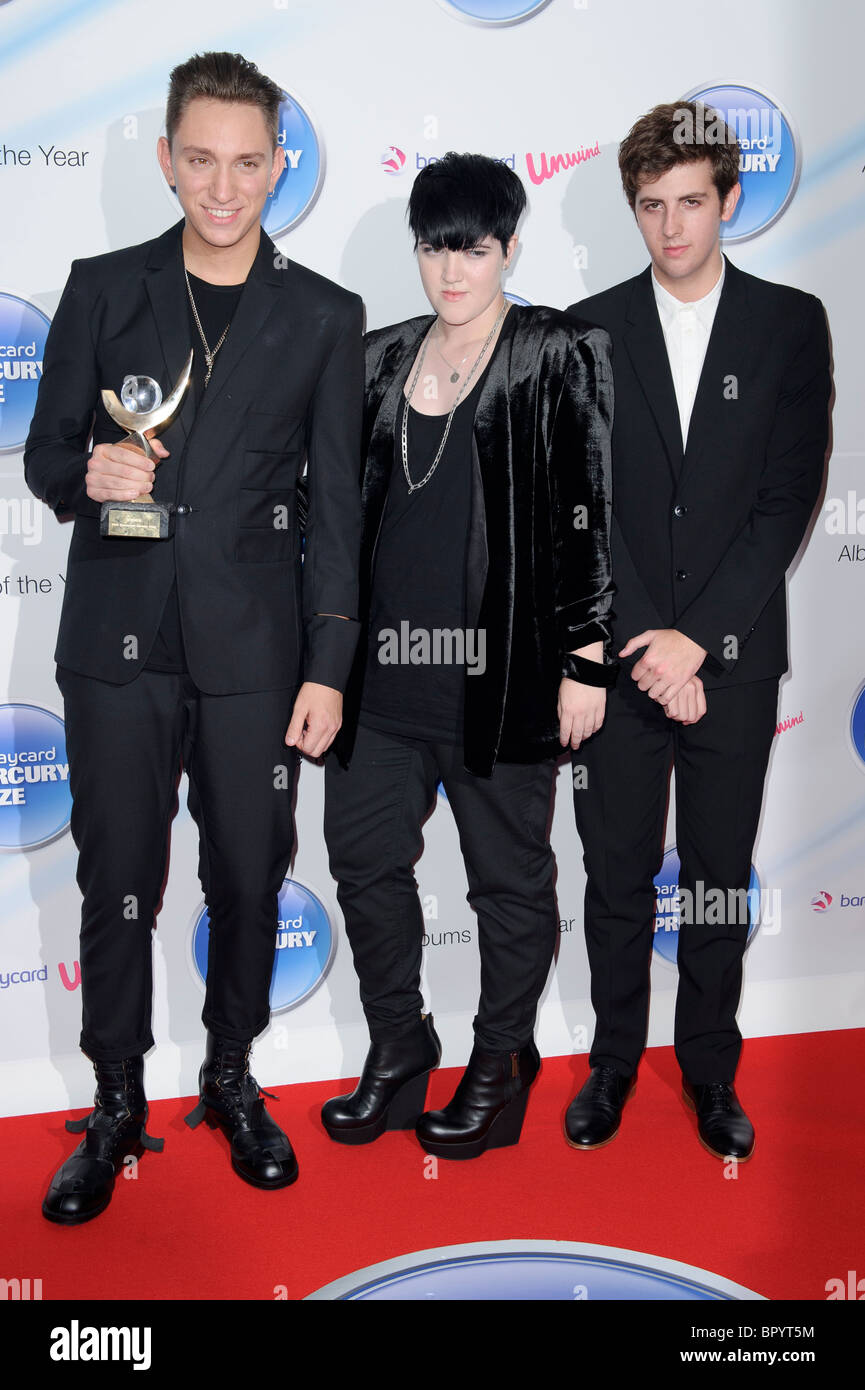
(581, 711)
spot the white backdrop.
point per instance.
(376, 87)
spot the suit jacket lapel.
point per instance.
(166, 290)
(726, 366)
(644, 340)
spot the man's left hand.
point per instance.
(315, 719)
(668, 663)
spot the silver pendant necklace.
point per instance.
(209, 354)
(415, 487)
(455, 374)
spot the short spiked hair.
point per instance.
(222, 77)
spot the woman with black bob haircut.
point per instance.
(485, 603)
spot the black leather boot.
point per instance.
(230, 1099)
(722, 1125)
(594, 1115)
(488, 1107)
(392, 1088)
(82, 1187)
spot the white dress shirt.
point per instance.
(686, 332)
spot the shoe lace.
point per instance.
(718, 1093)
(605, 1082)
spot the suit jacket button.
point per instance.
(183, 509)
(679, 510)
(681, 574)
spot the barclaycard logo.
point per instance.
(499, 12)
(22, 977)
(557, 1270)
(770, 157)
(35, 802)
(23, 330)
(821, 902)
(710, 906)
(299, 184)
(305, 943)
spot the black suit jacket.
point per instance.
(537, 580)
(701, 540)
(286, 386)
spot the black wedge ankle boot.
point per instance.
(392, 1088)
(230, 1099)
(115, 1128)
(488, 1107)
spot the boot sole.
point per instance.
(725, 1158)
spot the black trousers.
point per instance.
(126, 745)
(373, 818)
(720, 765)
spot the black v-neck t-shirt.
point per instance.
(216, 305)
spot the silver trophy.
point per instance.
(141, 408)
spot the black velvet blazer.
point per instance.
(538, 568)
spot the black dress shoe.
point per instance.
(82, 1187)
(230, 1099)
(594, 1115)
(488, 1107)
(724, 1128)
(391, 1091)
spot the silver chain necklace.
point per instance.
(415, 487)
(209, 356)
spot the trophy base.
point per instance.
(147, 521)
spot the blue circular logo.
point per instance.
(23, 330)
(513, 1270)
(857, 726)
(707, 907)
(35, 801)
(299, 184)
(769, 160)
(495, 11)
(305, 943)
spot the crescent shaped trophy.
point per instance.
(137, 421)
(144, 518)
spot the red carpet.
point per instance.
(187, 1228)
